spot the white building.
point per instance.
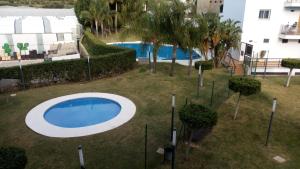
(204, 6)
(42, 29)
(271, 30)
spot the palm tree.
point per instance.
(116, 14)
(87, 19)
(130, 11)
(221, 38)
(214, 33)
(150, 26)
(196, 31)
(231, 36)
(175, 28)
(98, 12)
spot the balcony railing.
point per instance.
(290, 29)
(292, 3)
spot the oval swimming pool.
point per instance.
(82, 112)
(143, 50)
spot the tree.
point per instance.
(130, 11)
(230, 32)
(214, 34)
(87, 19)
(196, 117)
(81, 5)
(291, 64)
(151, 26)
(99, 12)
(22, 46)
(116, 14)
(6, 48)
(195, 32)
(205, 65)
(175, 28)
(244, 86)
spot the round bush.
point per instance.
(197, 116)
(12, 158)
(205, 65)
(246, 86)
(291, 63)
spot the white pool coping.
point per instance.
(35, 118)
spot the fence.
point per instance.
(255, 65)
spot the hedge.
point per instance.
(291, 63)
(102, 65)
(246, 86)
(205, 65)
(97, 48)
(12, 158)
(197, 116)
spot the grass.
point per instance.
(117, 37)
(39, 3)
(232, 144)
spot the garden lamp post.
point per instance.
(173, 148)
(21, 74)
(172, 118)
(271, 120)
(81, 160)
(199, 80)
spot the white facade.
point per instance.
(267, 34)
(38, 27)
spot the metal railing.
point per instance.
(292, 1)
(229, 62)
(290, 29)
(253, 63)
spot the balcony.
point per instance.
(292, 4)
(290, 32)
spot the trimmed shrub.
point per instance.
(12, 158)
(244, 85)
(205, 65)
(197, 116)
(97, 48)
(291, 63)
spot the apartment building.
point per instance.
(271, 32)
(204, 6)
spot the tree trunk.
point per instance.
(116, 18)
(215, 58)
(96, 24)
(102, 29)
(190, 63)
(289, 78)
(189, 146)
(201, 78)
(237, 106)
(154, 59)
(173, 60)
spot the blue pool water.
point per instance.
(164, 52)
(82, 112)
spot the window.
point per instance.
(266, 40)
(264, 14)
(221, 8)
(285, 40)
(60, 37)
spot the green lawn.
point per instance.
(231, 145)
(118, 37)
(39, 3)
